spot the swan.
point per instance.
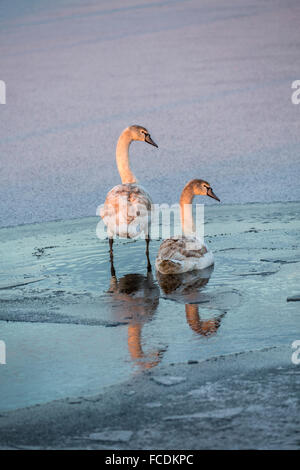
(127, 206)
(188, 253)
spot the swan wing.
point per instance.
(178, 255)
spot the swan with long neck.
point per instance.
(188, 253)
(127, 206)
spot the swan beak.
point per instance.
(210, 193)
(150, 141)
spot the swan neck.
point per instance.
(192, 316)
(186, 211)
(122, 156)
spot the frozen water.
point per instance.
(111, 436)
(78, 330)
(168, 380)
(217, 414)
(212, 83)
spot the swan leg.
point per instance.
(111, 253)
(149, 267)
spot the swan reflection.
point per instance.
(207, 327)
(186, 288)
(135, 299)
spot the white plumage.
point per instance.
(126, 211)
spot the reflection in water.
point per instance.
(186, 287)
(136, 299)
(201, 327)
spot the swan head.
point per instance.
(142, 134)
(203, 188)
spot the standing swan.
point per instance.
(127, 206)
(179, 255)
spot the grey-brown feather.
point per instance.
(172, 247)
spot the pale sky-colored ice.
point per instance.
(210, 79)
